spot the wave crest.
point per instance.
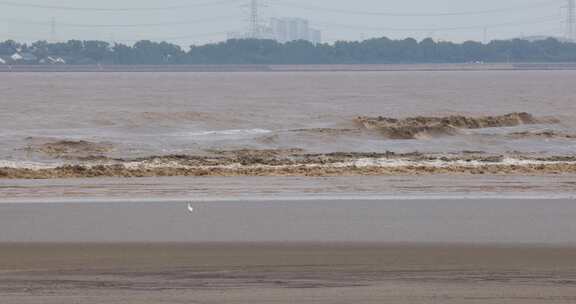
(421, 126)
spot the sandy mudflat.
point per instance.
(160, 255)
(273, 273)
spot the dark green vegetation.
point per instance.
(373, 51)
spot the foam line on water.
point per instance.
(28, 165)
(228, 132)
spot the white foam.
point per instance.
(28, 165)
(383, 162)
(359, 163)
(229, 132)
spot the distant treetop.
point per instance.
(253, 51)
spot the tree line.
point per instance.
(253, 51)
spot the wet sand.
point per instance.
(275, 188)
(285, 273)
(478, 221)
(456, 251)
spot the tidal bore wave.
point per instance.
(81, 159)
(295, 163)
(422, 127)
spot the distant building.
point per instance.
(16, 57)
(284, 30)
(52, 60)
(292, 29)
(24, 58)
(315, 36)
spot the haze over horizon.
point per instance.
(187, 22)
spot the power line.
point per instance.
(137, 25)
(406, 14)
(254, 28)
(165, 39)
(111, 9)
(175, 38)
(456, 28)
(552, 32)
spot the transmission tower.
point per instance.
(571, 21)
(253, 29)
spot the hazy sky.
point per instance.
(198, 21)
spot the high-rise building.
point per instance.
(284, 30)
(292, 29)
(315, 36)
(280, 29)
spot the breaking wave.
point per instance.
(296, 163)
(80, 159)
(71, 149)
(423, 127)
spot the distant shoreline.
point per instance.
(290, 68)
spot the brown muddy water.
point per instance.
(63, 118)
